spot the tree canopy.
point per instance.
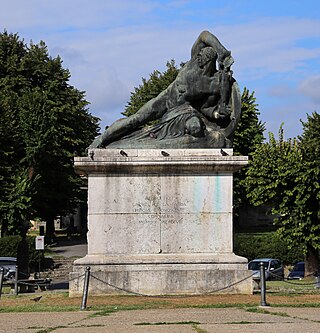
(249, 132)
(285, 174)
(150, 88)
(44, 121)
(247, 138)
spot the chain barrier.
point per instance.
(72, 279)
(49, 280)
(293, 283)
(166, 296)
(46, 282)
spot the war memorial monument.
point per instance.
(160, 195)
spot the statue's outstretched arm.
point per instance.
(205, 39)
(153, 109)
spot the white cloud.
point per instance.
(272, 45)
(109, 45)
(310, 87)
(60, 14)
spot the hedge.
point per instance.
(9, 246)
(248, 245)
(265, 245)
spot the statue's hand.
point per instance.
(110, 134)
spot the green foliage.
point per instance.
(285, 174)
(9, 247)
(266, 245)
(249, 132)
(247, 137)
(18, 207)
(151, 88)
(43, 122)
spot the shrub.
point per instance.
(265, 245)
(9, 246)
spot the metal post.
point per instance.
(40, 257)
(16, 282)
(317, 281)
(1, 279)
(85, 289)
(263, 285)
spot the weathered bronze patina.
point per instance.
(200, 109)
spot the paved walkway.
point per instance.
(227, 320)
(284, 320)
(68, 248)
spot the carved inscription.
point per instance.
(171, 204)
(147, 219)
(171, 219)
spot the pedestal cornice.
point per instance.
(155, 161)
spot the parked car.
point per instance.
(9, 267)
(273, 268)
(297, 271)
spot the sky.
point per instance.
(108, 46)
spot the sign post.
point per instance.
(40, 247)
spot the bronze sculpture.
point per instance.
(200, 109)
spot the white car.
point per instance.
(273, 268)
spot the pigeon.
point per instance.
(223, 153)
(91, 154)
(164, 153)
(36, 299)
(152, 135)
(123, 153)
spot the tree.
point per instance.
(151, 88)
(44, 121)
(308, 199)
(247, 138)
(249, 132)
(285, 174)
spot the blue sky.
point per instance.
(110, 45)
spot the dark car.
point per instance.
(297, 272)
(9, 267)
(273, 268)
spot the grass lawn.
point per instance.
(277, 295)
(307, 286)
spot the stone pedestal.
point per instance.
(160, 222)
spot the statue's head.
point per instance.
(207, 55)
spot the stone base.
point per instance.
(162, 274)
(160, 222)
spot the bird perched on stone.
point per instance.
(36, 299)
(164, 153)
(123, 153)
(223, 153)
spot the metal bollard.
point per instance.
(1, 279)
(16, 282)
(85, 289)
(263, 285)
